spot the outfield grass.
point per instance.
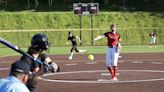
(8, 52)
(92, 49)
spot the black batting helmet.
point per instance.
(39, 42)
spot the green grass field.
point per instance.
(92, 50)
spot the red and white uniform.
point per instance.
(113, 50)
(112, 53)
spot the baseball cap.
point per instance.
(21, 67)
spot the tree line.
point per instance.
(153, 5)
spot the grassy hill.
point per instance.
(55, 20)
(134, 27)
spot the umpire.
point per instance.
(15, 82)
(39, 44)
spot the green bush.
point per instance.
(134, 27)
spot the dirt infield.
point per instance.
(137, 73)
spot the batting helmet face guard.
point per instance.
(39, 42)
(113, 27)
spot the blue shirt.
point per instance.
(12, 84)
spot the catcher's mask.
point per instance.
(39, 42)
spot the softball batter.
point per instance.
(39, 43)
(113, 50)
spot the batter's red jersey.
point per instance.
(113, 39)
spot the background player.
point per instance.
(152, 36)
(113, 50)
(39, 43)
(74, 44)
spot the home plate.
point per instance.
(108, 74)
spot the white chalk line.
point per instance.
(90, 63)
(8, 55)
(108, 74)
(137, 62)
(6, 62)
(4, 68)
(98, 81)
(156, 62)
(121, 61)
(72, 64)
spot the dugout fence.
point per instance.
(58, 37)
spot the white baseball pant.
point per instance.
(112, 57)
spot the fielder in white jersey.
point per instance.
(152, 39)
(113, 50)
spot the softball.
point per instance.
(90, 57)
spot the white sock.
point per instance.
(70, 57)
(81, 51)
(71, 54)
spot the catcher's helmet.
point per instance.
(39, 42)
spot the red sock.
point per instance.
(115, 71)
(110, 71)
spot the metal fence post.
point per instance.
(126, 36)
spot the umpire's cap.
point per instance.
(40, 42)
(21, 67)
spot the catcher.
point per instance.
(39, 43)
